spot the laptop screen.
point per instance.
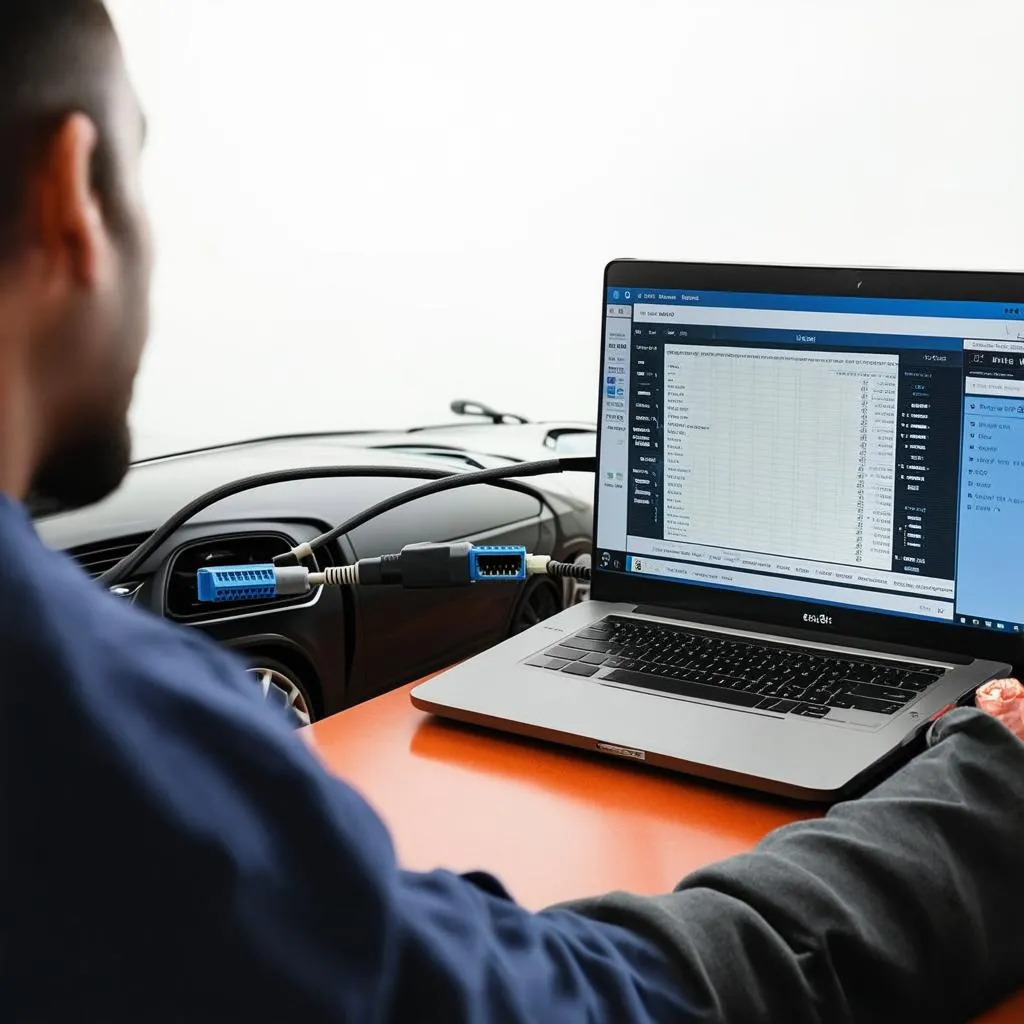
(856, 452)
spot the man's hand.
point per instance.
(1004, 699)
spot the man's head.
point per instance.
(74, 251)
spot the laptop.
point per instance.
(809, 527)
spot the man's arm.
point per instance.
(173, 851)
(905, 905)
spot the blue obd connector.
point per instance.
(237, 583)
(491, 564)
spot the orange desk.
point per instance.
(552, 824)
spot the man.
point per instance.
(171, 851)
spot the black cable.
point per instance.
(567, 571)
(119, 573)
(128, 564)
(548, 467)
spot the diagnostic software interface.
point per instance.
(841, 451)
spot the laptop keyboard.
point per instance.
(733, 670)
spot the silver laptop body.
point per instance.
(808, 527)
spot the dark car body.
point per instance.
(344, 645)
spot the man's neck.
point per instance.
(19, 422)
(16, 443)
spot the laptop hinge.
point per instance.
(807, 636)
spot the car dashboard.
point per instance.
(340, 645)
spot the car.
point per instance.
(337, 647)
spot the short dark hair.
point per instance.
(55, 59)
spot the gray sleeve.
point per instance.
(904, 905)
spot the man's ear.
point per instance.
(69, 220)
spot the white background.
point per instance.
(368, 209)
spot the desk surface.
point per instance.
(552, 824)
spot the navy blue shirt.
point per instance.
(173, 851)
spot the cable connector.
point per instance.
(537, 565)
(251, 583)
(421, 566)
(416, 567)
(498, 564)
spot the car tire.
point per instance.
(282, 686)
(541, 599)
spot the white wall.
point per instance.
(368, 209)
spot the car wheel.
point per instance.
(281, 686)
(540, 600)
(577, 591)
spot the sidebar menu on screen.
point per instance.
(927, 464)
(615, 393)
(646, 426)
(991, 536)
